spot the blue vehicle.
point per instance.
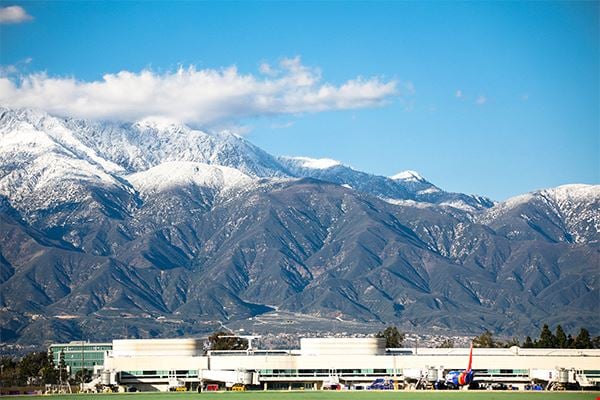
(381, 384)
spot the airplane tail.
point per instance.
(470, 358)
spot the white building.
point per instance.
(158, 364)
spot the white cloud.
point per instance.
(13, 15)
(16, 68)
(266, 69)
(200, 97)
(7, 70)
(481, 100)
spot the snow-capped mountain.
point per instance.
(173, 174)
(119, 149)
(307, 163)
(44, 167)
(135, 147)
(100, 220)
(406, 185)
(415, 182)
(567, 213)
(408, 176)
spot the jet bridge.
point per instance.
(228, 377)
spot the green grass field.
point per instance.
(375, 395)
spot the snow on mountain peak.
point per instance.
(29, 133)
(408, 175)
(157, 123)
(173, 174)
(561, 194)
(576, 192)
(575, 204)
(314, 163)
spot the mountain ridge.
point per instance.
(96, 232)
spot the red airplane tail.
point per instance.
(470, 358)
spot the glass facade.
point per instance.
(326, 372)
(148, 375)
(78, 355)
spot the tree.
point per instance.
(447, 344)
(85, 373)
(512, 342)
(49, 372)
(62, 366)
(484, 340)
(220, 341)
(8, 375)
(51, 357)
(528, 343)
(30, 368)
(561, 338)
(393, 337)
(583, 341)
(547, 339)
(570, 341)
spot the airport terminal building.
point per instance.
(325, 363)
(80, 355)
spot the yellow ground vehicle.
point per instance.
(238, 388)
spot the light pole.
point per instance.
(82, 363)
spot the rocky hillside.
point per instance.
(151, 229)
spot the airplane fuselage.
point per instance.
(459, 378)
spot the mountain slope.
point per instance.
(564, 214)
(111, 228)
(407, 185)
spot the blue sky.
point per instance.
(494, 98)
